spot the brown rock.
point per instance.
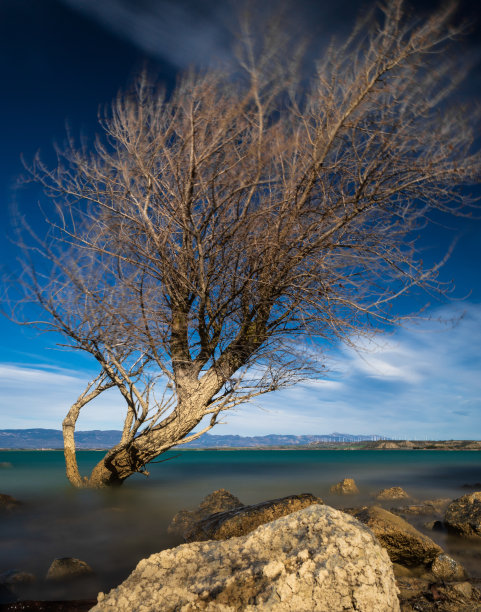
(68, 568)
(218, 501)
(347, 486)
(243, 520)
(392, 493)
(463, 515)
(446, 568)
(404, 544)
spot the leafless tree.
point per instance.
(211, 241)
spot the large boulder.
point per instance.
(243, 520)
(403, 542)
(218, 501)
(463, 515)
(346, 486)
(317, 559)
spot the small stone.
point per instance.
(346, 486)
(446, 568)
(392, 493)
(68, 568)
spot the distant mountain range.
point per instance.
(52, 438)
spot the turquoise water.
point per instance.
(113, 530)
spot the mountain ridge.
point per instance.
(40, 438)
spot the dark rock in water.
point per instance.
(317, 559)
(435, 526)
(347, 486)
(14, 577)
(8, 503)
(243, 520)
(218, 501)
(463, 515)
(405, 544)
(474, 486)
(68, 568)
(5, 464)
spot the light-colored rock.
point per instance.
(347, 486)
(317, 559)
(218, 501)
(392, 493)
(403, 542)
(243, 520)
(463, 515)
(446, 568)
(68, 568)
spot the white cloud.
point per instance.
(420, 382)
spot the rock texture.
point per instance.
(463, 515)
(316, 559)
(448, 569)
(392, 493)
(403, 542)
(218, 501)
(347, 486)
(68, 568)
(243, 520)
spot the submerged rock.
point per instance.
(428, 508)
(317, 559)
(8, 503)
(403, 542)
(347, 486)
(68, 568)
(218, 501)
(463, 515)
(392, 493)
(243, 520)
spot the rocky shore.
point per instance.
(297, 554)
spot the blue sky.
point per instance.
(63, 59)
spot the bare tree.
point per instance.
(210, 243)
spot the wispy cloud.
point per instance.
(420, 382)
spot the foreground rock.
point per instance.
(463, 515)
(347, 486)
(218, 501)
(317, 559)
(243, 520)
(417, 594)
(392, 493)
(403, 542)
(68, 568)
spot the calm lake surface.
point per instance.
(113, 530)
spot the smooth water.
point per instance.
(112, 530)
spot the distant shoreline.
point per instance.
(399, 445)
